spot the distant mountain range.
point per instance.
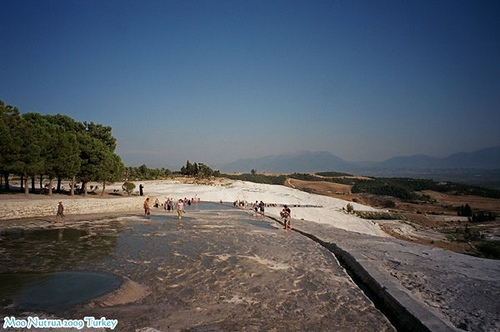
(485, 159)
(482, 159)
(306, 161)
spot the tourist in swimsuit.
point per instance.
(147, 210)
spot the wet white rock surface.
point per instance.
(460, 290)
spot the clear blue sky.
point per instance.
(215, 81)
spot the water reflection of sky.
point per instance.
(54, 292)
(32, 260)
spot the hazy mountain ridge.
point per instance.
(488, 158)
(306, 161)
(485, 159)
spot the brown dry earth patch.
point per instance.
(438, 216)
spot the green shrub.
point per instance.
(375, 215)
(389, 204)
(333, 174)
(128, 187)
(350, 208)
(490, 249)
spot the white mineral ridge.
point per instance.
(327, 210)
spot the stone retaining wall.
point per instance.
(29, 208)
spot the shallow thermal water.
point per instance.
(54, 292)
(216, 269)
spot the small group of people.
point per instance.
(239, 204)
(259, 207)
(285, 214)
(168, 206)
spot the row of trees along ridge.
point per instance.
(57, 147)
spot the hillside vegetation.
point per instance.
(406, 189)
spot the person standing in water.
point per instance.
(261, 207)
(180, 209)
(60, 213)
(147, 210)
(286, 214)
